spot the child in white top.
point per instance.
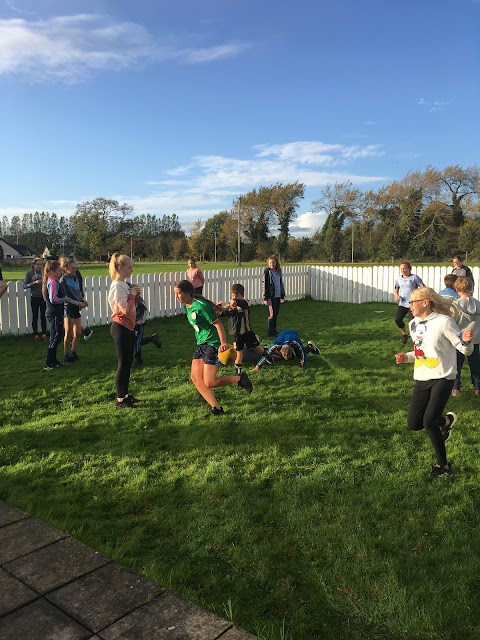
(436, 338)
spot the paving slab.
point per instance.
(40, 620)
(56, 565)
(168, 616)
(10, 514)
(13, 593)
(237, 634)
(25, 536)
(99, 599)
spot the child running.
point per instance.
(287, 344)
(122, 299)
(210, 335)
(140, 340)
(238, 313)
(436, 338)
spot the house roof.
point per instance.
(23, 250)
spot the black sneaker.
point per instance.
(405, 338)
(244, 383)
(126, 403)
(157, 341)
(215, 411)
(49, 367)
(446, 430)
(74, 356)
(123, 405)
(131, 399)
(87, 333)
(313, 348)
(68, 358)
(438, 471)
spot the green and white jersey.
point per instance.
(201, 317)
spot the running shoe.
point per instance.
(313, 348)
(157, 341)
(244, 383)
(438, 471)
(215, 411)
(446, 430)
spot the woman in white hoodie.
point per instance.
(436, 338)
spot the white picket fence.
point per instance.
(334, 284)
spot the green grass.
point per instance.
(15, 272)
(304, 513)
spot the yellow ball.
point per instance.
(228, 357)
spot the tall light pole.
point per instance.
(238, 229)
(215, 240)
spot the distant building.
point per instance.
(16, 252)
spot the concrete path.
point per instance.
(53, 587)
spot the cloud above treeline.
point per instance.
(69, 48)
(208, 184)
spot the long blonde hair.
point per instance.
(116, 261)
(439, 304)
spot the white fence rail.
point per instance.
(334, 284)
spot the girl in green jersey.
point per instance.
(211, 339)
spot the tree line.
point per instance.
(426, 215)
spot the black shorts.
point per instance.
(207, 353)
(72, 311)
(248, 339)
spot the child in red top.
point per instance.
(195, 276)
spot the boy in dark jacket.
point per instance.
(238, 314)
(140, 340)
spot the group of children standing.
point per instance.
(62, 292)
(444, 328)
(204, 316)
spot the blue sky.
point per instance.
(179, 106)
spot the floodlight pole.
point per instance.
(238, 230)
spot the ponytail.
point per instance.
(185, 286)
(116, 262)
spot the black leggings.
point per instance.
(124, 344)
(38, 308)
(427, 403)
(400, 315)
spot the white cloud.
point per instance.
(208, 184)
(69, 48)
(307, 223)
(434, 105)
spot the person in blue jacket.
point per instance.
(286, 345)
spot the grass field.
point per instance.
(14, 272)
(304, 513)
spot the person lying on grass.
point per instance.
(210, 335)
(287, 344)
